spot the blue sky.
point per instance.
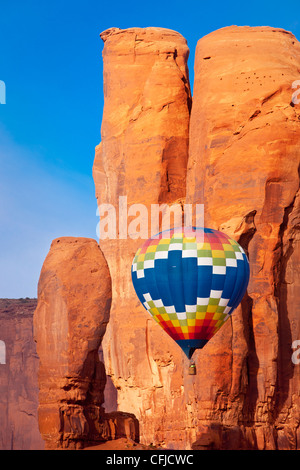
(51, 63)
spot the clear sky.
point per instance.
(51, 63)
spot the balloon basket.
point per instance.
(192, 369)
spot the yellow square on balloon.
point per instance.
(154, 311)
(165, 316)
(203, 246)
(218, 254)
(151, 249)
(200, 315)
(227, 247)
(164, 241)
(211, 308)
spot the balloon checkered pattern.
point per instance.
(190, 281)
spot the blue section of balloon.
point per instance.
(190, 284)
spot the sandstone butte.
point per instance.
(242, 163)
(236, 151)
(143, 155)
(74, 296)
(18, 377)
(74, 299)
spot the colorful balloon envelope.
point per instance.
(190, 281)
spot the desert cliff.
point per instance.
(18, 377)
(242, 164)
(234, 148)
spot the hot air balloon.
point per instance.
(190, 281)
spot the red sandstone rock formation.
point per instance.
(74, 298)
(18, 377)
(143, 155)
(243, 165)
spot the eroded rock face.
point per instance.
(146, 117)
(243, 165)
(74, 297)
(18, 377)
(142, 156)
